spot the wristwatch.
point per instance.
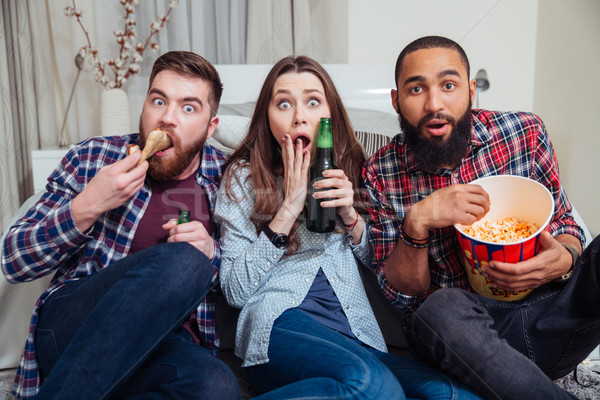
(575, 256)
(279, 240)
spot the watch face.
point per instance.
(281, 241)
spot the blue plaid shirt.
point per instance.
(46, 238)
(502, 143)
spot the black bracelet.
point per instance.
(411, 241)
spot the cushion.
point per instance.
(371, 142)
(230, 130)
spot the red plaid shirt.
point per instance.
(46, 239)
(502, 143)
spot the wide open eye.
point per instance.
(314, 102)
(284, 105)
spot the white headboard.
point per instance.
(364, 86)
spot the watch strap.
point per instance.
(575, 257)
(279, 240)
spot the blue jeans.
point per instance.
(309, 360)
(117, 332)
(513, 350)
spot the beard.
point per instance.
(161, 168)
(431, 154)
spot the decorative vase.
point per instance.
(115, 118)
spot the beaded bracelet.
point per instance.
(352, 225)
(411, 241)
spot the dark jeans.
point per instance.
(513, 350)
(309, 360)
(117, 333)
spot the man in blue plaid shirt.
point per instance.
(128, 312)
(417, 189)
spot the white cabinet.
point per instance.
(43, 162)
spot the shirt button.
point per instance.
(358, 335)
(307, 280)
(255, 283)
(268, 263)
(347, 306)
(319, 252)
(274, 257)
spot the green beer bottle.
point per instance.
(184, 216)
(320, 219)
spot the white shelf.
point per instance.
(43, 162)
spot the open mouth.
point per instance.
(165, 144)
(437, 127)
(305, 141)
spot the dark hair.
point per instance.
(260, 152)
(191, 64)
(431, 42)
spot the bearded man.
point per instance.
(128, 312)
(418, 189)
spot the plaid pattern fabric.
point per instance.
(46, 238)
(501, 144)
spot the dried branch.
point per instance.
(114, 72)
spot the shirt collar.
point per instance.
(210, 167)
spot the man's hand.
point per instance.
(552, 261)
(192, 232)
(112, 186)
(454, 204)
(407, 268)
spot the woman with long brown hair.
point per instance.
(306, 328)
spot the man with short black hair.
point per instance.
(418, 189)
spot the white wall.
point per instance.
(567, 84)
(550, 69)
(497, 35)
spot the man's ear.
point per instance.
(394, 95)
(472, 90)
(212, 126)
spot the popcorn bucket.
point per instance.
(510, 196)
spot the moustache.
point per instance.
(448, 118)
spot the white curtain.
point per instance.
(38, 44)
(27, 99)
(279, 28)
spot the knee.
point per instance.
(372, 379)
(441, 318)
(444, 308)
(179, 265)
(215, 380)
(445, 390)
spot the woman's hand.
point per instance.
(337, 189)
(295, 176)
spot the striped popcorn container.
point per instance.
(510, 197)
